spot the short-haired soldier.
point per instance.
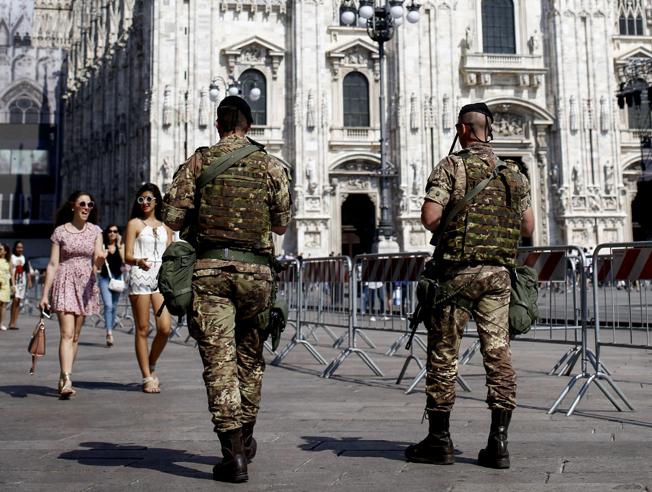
(230, 221)
(472, 258)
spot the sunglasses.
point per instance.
(145, 199)
(113, 231)
(86, 204)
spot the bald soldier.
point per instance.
(230, 221)
(472, 261)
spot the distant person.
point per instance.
(75, 253)
(146, 238)
(473, 255)
(22, 280)
(112, 268)
(5, 282)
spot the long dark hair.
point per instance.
(137, 212)
(105, 234)
(65, 213)
(7, 249)
(16, 243)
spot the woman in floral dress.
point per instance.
(76, 250)
(5, 282)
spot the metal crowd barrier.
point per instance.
(327, 300)
(621, 275)
(290, 288)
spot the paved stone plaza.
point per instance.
(347, 433)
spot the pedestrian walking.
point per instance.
(76, 251)
(112, 269)
(21, 279)
(475, 250)
(232, 284)
(5, 282)
(146, 238)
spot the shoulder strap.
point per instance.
(468, 198)
(223, 163)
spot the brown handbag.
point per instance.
(36, 345)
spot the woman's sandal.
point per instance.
(109, 340)
(150, 385)
(66, 391)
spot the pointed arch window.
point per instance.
(24, 110)
(498, 34)
(254, 78)
(630, 18)
(356, 100)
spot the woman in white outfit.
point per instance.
(146, 237)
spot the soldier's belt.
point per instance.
(228, 254)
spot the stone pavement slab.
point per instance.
(345, 433)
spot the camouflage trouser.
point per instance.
(488, 290)
(225, 323)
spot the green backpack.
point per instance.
(523, 309)
(175, 277)
(179, 258)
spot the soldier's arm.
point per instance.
(527, 223)
(527, 215)
(438, 192)
(180, 197)
(279, 196)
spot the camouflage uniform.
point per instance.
(472, 262)
(230, 298)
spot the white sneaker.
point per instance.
(373, 318)
(385, 318)
(3, 328)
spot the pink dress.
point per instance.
(75, 288)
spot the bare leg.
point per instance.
(2, 312)
(163, 328)
(15, 309)
(79, 321)
(140, 307)
(66, 344)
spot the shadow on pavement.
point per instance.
(164, 460)
(356, 447)
(106, 385)
(25, 390)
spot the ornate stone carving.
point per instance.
(578, 183)
(168, 110)
(310, 111)
(414, 114)
(534, 43)
(311, 175)
(604, 115)
(608, 178)
(445, 113)
(356, 56)
(254, 54)
(313, 204)
(509, 125)
(312, 239)
(203, 112)
(324, 110)
(572, 114)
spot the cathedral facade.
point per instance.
(143, 80)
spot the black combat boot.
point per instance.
(233, 467)
(248, 440)
(437, 447)
(495, 455)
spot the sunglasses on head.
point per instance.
(145, 199)
(86, 204)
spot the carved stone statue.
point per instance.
(608, 178)
(533, 43)
(578, 187)
(468, 38)
(311, 175)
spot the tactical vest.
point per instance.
(487, 230)
(233, 209)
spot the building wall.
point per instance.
(138, 104)
(30, 90)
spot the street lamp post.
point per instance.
(381, 19)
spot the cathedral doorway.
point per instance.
(358, 224)
(641, 206)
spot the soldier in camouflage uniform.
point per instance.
(231, 225)
(472, 259)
